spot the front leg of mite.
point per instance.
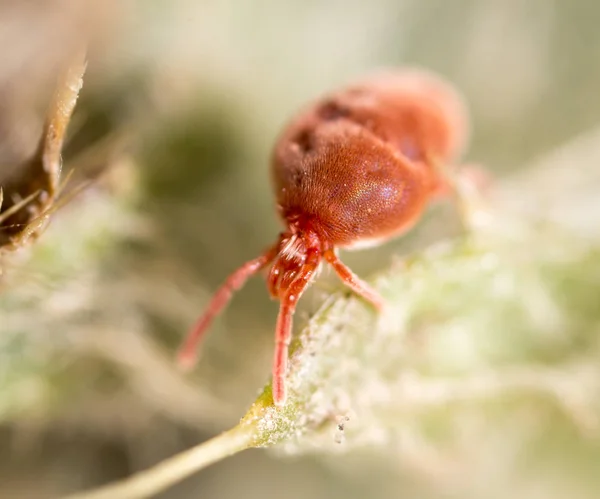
(351, 280)
(187, 353)
(283, 330)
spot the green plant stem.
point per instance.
(172, 470)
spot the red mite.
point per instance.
(353, 170)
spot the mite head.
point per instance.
(293, 251)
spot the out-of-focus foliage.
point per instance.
(181, 104)
(477, 331)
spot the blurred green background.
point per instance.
(181, 105)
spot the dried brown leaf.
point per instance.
(31, 192)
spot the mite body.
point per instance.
(352, 170)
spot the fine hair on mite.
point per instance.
(353, 169)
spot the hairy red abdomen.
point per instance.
(358, 166)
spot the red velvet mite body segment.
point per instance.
(352, 170)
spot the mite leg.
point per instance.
(187, 354)
(283, 330)
(467, 185)
(351, 280)
(273, 279)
